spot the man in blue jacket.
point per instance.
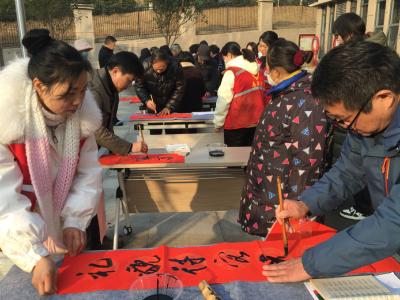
(359, 86)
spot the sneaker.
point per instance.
(352, 214)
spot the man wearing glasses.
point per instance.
(359, 86)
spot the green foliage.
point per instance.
(106, 7)
(7, 10)
(293, 2)
(45, 10)
(55, 15)
(223, 3)
(42, 10)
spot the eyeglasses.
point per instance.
(342, 124)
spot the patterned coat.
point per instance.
(289, 142)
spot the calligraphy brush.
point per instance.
(207, 292)
(152, 100)
(141, 135)
(284, 235)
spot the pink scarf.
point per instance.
(51, 194)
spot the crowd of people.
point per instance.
(331, 136)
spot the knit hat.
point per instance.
(82, 45)
(203, 52)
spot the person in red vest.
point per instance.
(240, 100)
(289, 140)
(50, 180)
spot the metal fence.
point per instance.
(227, 19)
(62, 29)
(293, 17)
(139, 23)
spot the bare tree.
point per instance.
(172, 15)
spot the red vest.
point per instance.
(248, 100)
(19, 152)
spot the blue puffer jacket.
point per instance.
(363, 162)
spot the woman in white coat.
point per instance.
(241, 99)
(50, 181)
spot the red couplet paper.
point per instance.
(175, 116)
(220, 263)
(141, 159)
(130, 99)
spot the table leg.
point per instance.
(124, 201)
(116, 226)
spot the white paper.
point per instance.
(203, 113)
(391, 281)
(310, 290)
(178, 148)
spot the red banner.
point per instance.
(141, 159)
(220, 263)
(175, 116)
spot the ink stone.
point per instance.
(216, 153)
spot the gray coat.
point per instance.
(377, 236)
(107, 98)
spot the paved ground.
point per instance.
(173, 229)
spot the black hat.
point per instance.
(204, 52)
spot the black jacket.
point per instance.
(166, 88)
(194, 89)
(211, 76)
(104, 55)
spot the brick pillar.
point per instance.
(265, 11)
(84, 28)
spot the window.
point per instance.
(394, 24)
(331, 21)
(380, 15)
(353, 6)
(364, 10)
(322, 35)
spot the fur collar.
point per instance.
(15, 85)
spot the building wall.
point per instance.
(371, 18)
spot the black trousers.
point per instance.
(239, 137)
(93, 235)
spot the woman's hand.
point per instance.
(44, 276)
(74, 240)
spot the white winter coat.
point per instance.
(23, 232)
(225, 91)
